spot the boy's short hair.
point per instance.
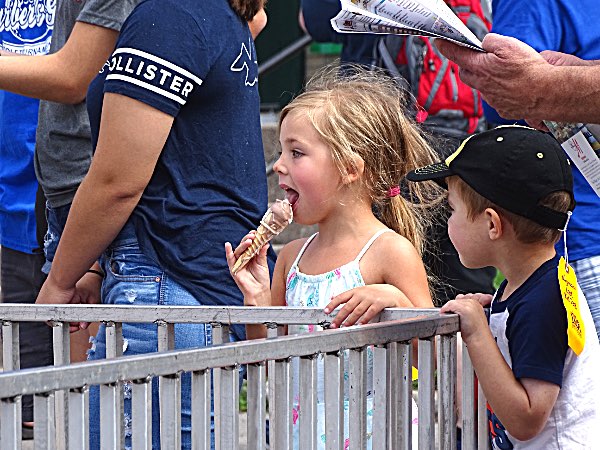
(526, 230)
(519, 169)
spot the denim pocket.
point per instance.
(127, 263)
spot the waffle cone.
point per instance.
(277, 217)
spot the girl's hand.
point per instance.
(472, 317)
(51, 294)
(253, 279)
(365, 302)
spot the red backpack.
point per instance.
(444, 102)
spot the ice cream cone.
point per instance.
(277, 217)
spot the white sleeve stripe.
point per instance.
(158, 60)
(145, 85)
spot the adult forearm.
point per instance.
(99, 211)
(574, 95)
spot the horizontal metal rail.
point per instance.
(41, 380)
(282, 315)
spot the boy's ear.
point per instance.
(495, 226)
(354, 171)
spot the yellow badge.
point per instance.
(568, 290)
(415, 374)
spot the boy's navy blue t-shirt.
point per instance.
(530, 326)
(195, 61)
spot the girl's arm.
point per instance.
(400, 278)
(132, 135)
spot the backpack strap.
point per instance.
(388, 62)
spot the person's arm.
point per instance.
(403, 285)
(518, 82)
(63, 76)
(132, 135)
(523, 406)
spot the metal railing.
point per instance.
(60, 393)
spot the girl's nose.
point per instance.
(278, 167)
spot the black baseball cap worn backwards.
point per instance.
(512, 166)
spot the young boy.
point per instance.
(511, 192)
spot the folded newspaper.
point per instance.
(431, 18)
(581, 142)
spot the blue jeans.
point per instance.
(133, 280)
(56, 218)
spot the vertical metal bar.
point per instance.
(483, 442)
(403, 436)
(380, 400)
(220, 335)
(10, 346)
(257, 407)
(78, 419)
(469, 439)
(426, 395)
(62, 356)
(141, 414)
(170, 411)
(10, 417)
(11, 361)
(334, 401)
(229, 400)
(114, 349)
(280, 406)
(357, 397)
(44, 432)
(447, 391)
(273, 330)
(111, 419)
(308, 402)
(201, 410)
(168, 387)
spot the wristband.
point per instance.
(97, 272)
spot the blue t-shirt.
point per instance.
(18, 122)
(530, 329)
(561, 25)
(195, 61)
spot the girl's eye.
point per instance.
(296, 153)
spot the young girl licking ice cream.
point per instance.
(345, 145)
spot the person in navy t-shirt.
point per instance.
(178, 169)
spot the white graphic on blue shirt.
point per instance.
(152, 73)
(245, 61)
(26, 26)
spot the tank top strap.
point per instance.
(370, 242)
(301, 252)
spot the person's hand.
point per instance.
(363, 303)
(564, 59)
(557, 59)
(51, 293)
(510, 76)
(472, 316)
(88, 290)
(253, 279)
(484, 300)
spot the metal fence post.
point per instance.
(257, 406)
(62, 357)
(426, 395)
(334, 400)
(447, 392)
(357, 379)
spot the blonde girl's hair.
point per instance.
(361, 113)
(247, 9)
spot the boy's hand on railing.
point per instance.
(363, 303)
(253, 279)
(472, 317)
(484, 300)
